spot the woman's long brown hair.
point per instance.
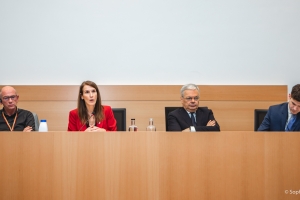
(82, 110)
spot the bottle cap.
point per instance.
(43, 120)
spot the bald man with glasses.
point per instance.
(191, 117)
(13, 118)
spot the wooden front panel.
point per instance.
(155, 92)
(144, 165)
(234, 116)
(233, 106)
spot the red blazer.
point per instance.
(109, 123)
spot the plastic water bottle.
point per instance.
(43, 126)
(151, 127)
(132, 127)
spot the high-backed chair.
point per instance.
(36, 121)
(170, 109)
(167, 111)
(259, 115)
(120, 116)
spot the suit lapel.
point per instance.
(186, 116)
(284, 115)
(198, 117)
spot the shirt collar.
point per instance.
(3, 110)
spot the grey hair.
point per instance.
(189, 86)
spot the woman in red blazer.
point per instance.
(90, 114)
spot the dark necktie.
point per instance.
(290, 123)
(193, 119)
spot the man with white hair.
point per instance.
(191, 117)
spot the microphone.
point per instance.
(93, 113)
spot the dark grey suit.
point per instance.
(179, 120)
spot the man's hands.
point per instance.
(27, 129)
(186, 130)
(211, 123)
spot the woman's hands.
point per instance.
(95, 129)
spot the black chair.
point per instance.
(170, 109)
(259, 115)
(167, 111)
(120, 116)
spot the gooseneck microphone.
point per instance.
(93, 113)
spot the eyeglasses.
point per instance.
(191, 98)
(13, 97)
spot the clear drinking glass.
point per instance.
(132, 127)
(151, 127)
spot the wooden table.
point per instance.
(149, 165)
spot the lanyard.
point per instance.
(11, 128)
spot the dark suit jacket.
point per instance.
(276, 118)
(179, 120)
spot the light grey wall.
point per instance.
(149, 42)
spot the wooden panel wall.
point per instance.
(144, 165)
(233, 105)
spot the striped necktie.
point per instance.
(193, 119)
(290, 123)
